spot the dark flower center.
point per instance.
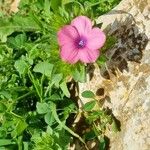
(81, 42)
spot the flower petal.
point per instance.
(83, 25)
(69, 53)
(67, 34)
(88, 56)
(96, 39)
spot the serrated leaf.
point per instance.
(89, 106)
(42, 108)
(44, 68)
(88, 94)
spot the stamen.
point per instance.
(81, 43)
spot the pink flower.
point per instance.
(80, 42)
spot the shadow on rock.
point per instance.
(129, 46)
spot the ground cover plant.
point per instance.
(35, 101)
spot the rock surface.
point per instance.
(125, 78)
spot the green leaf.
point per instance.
(5, 29)
(64, 88)
(4, 142)
(102, 60)
(44, 142)
(88, 94)
(44, 68)
(79, 73)
(49, 118)
(89, 106)
(64, 2)
(21, 66)
(93, 116)
(62, 139)
(55, 97)
(42, 108)
(21, 126)
(3, 133)
(55, 4)
(110, 42)
(47, 7)
(36, 84)
(90, 135)
(17, 23)
(25, 145)
(102, 144)
(5, 94)
(2, 108)
(18, 41)
(56, 79)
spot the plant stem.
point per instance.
(19, 142)
(15, 115)
(42, 80)
(35, 85)
(48, 90)
(23, 96)
(65, 127)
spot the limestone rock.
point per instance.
(125, 77)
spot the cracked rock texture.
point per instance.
(125, 78)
